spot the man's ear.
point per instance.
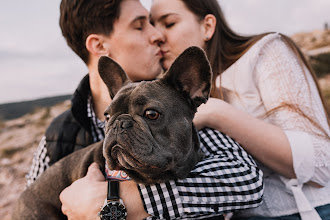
(95, 45)
(191, 75)
(112, 75)
(209, 24)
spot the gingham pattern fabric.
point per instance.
(97, 125)
(40, 162)
(226, 180)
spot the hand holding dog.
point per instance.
(210, 113)
(84, 197)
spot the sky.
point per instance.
(35, 61)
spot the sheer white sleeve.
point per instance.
(284, 81)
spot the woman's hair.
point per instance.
(226, 47)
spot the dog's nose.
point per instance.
(122, 123)
(126, 124)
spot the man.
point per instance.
(121, 30)
(132, 42)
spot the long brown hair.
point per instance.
(226, 47)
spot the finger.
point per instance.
(94, 172)
(63, 196)
(94, 165)
(64, 209)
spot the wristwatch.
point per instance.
(113, 208)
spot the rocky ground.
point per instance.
(20, 137)
(18, 140)
(312, 40)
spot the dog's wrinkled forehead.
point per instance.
(145, 93)
(190, 75)
(121, 100)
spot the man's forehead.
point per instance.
(132, 10)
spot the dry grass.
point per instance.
(18, 141)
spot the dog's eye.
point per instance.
(151, 114)
(107, 116)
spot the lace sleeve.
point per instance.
(289, 93)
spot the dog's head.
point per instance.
(149, 131)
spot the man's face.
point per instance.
(133, 44)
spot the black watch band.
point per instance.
(113, 208)
(113, 190)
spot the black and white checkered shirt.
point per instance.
(227, 179)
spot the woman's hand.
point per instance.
(264, 141)
(208, 114)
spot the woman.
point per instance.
(275, 110)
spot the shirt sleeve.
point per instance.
(40, 162)
(289, 93)
(227, 179)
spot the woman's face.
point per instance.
(180, 27)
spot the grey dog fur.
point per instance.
(148, 150)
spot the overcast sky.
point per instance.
(35, 61)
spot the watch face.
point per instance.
(113, 211)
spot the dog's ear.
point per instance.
(112, 75)
(191, 75)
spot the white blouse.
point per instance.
(265, 77)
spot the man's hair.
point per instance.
(81, 18)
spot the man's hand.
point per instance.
(132, 200)
(84, 197)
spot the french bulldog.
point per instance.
(149, 133)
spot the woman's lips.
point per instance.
(159, 53)
(164, 52)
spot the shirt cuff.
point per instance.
(302, 154)
(162, 200)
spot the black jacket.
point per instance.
(71, 130)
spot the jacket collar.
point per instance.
(79, 103)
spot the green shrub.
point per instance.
(321, 64)
(326, 96)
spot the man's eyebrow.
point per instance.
(141, 17)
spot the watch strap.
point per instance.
(113, 190)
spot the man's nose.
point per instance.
(157, 36)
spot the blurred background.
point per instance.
(39, 71)
(36, 62)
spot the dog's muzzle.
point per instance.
(121, 123)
